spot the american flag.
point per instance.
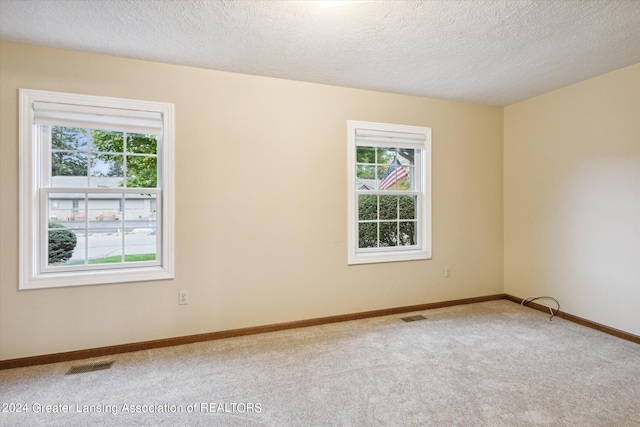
(394, 174)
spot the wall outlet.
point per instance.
(447, 272)
(183, 297)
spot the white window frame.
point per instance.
(391, 135)
(34, 161)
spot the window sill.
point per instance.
(379, 257)
(98, 277)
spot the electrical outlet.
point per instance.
(183, 297)
(447, 272)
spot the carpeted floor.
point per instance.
(486, 364)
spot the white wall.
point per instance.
(572, 198)
(260, 205)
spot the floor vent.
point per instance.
(413, 318)
(89, 368)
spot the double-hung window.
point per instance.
(389, 192)
(96, 190)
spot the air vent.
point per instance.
(89, 368)
(413, 318)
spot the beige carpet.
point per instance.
(487, 364)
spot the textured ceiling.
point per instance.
(487, 52)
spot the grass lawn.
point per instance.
(118, 258)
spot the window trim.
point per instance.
(31, 160)
(375, 132)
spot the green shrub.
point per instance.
(391, 232)
(61, 243)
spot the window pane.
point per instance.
(388, 207)
(69, 169)
(393, 177)
(367, 207)
(142, 172)
(65, 138)
(107, 141)
(408, 233)
(367, 235)
(140, 244)
(106, 171)
(406, 156)
(75, 209)
(70, 210)
(140, 210)
(103, 209)
(407, 207)
(409, 182)
(365, 178)
(385, 155)
(388, 234)
(104, 247)
(365, 155)
(366, 172)
(142, 144)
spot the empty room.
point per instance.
(310, 213)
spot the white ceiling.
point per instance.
(488, 52)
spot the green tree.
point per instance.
(70, 160)
(142, 169)
(115, 168)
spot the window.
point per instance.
(96, 190)
(389, 192)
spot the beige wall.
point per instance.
(572, 198)
(260, 205)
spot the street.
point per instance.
(105, 239)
